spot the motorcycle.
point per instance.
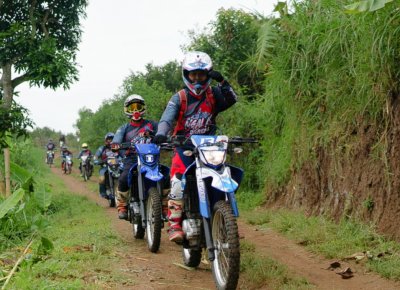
(210, 208)
(114, 168)
(50, 157)
(147, 179)
(67, 164)
(86, 167)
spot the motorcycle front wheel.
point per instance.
(85, 173)
(191, 257)
(112, 197)
(154, 220)
(226, 266)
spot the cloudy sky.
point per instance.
(121, 36)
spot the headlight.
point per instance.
(214, 157)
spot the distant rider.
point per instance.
(194, 109)
(64, 153)
(50, 146)
(100, 158)
(62, 140)
(85, 151)
(134, 109)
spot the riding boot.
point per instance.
(175, 232)
(121, 205)
(164, 202)
(102, 190)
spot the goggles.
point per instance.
(197, 76)
(135, 107)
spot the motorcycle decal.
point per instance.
(198, 140)
(221, 181)
(204, 207)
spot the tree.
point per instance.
(38, 42)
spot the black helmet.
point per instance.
(109, 135)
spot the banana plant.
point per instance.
(366, 6)
(10, 202)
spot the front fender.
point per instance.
(221, 181)
(153, 174)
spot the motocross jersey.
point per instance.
(85, 152)
(101, 153)
(128, 132)
(50, 146)
(200, 113)
(66, 153)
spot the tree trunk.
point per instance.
(8, 92)
(7, 171)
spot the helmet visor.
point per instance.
(135, 107)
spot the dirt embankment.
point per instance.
(360, 179)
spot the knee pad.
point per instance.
(176, 192)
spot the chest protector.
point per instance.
(198, 121)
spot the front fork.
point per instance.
(205, 211)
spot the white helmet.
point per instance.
(195, 61)
(134, 107)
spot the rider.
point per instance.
(194, 109)
(134, 109)
(50, 146)
(100, 157)
(64, 153)
(85, 151)
(62, 140)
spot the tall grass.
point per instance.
(328, 73)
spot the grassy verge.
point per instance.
(85, 248)
(339, 241)
(258, 272)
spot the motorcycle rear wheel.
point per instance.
(154, 220)
(226, 266)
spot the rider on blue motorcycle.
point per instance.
(85, 151)
(134, 109)
(194, 109)
(100, 157)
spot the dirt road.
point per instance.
(158, 271)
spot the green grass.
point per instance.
(85, 248)
(338, 241)
(258, 271)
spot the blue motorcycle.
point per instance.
(147, 178)
(210, 209)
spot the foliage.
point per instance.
(23, 214)
(366, 5)
(93, 126)
(11, 202)
(13, 122)
(41, 136)
(230, 40)
(40, 38)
